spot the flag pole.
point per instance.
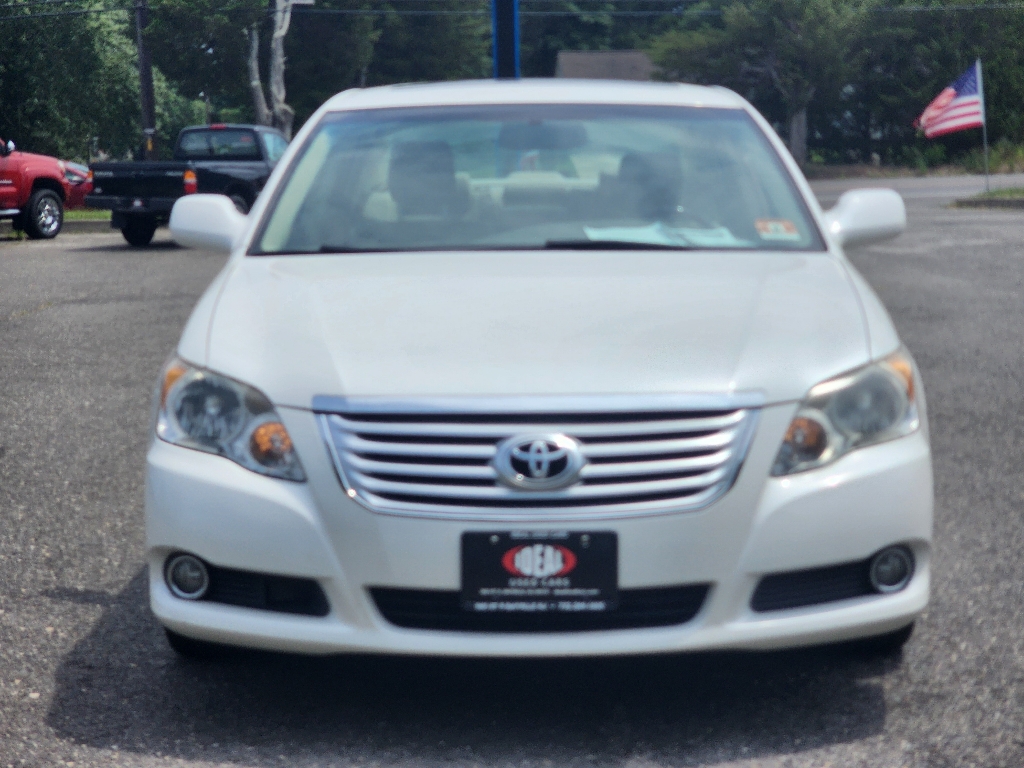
(984, 119)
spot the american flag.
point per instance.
(960, 106)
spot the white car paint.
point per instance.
(523, 324)
(496, 323)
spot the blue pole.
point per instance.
(505, 32)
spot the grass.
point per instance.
(1010, 197)
(814, 171)
(79, 214)
(87, 214)
(1010, 193)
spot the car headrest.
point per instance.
(661, 168)
(421, 177)
(655, 179)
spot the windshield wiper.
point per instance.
(349, 249)
(613, 245)
(555, 245)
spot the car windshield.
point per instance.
(536, 176)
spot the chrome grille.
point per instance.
(436, 458)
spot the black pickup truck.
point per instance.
(232, 160)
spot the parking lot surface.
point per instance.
(87, 678)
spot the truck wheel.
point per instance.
(240, 202)
(44, 215)
(139, 230)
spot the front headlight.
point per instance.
(869, 406)
(205, 411)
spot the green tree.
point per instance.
(454, 44)
(789, 49)
(327, 54)
(45, 94)
(585, 27)
(200, 45)
(220, 49)
(67, 80)
(903, 57)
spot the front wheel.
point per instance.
(139, 230)
(43, 217)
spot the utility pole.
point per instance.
(505, 21)
(146, 99)
(206, 102)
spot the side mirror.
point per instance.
(6, 149)
(210, 222)
(865, 216)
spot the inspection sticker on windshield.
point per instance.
(777, 229)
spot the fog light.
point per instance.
(891, 569)
(187, 577)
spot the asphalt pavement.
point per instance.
(927, 190)
(86, 678)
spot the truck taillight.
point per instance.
(189, 180)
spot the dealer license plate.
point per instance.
(540, 571)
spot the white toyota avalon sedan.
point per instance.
(539, 368)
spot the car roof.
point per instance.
(539, 91)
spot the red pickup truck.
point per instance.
(33, 191)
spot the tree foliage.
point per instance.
(849, 75)
(452, 45)
(585, 28)
(46, 99)
(201, 47)
(68, 83)
(327, 54)
(779, 51)
(862, 70)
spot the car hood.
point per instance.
(34, 159)
(536, 323)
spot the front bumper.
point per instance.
(236, 519)
(121, 205)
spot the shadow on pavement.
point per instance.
(121, 247)
(122, 685)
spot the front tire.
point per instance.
(139, 230)
(43, 217)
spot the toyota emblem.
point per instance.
(539, 462)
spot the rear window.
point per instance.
(223, 144)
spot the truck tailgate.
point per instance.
(139, 180)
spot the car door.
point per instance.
(9, 178)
